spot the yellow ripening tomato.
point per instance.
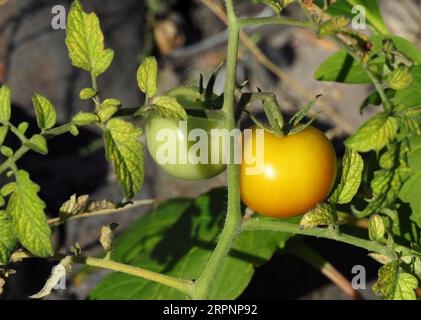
(299, 171)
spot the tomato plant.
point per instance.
(299, 171)
(178, 250)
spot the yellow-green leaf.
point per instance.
(393, 284)
(29, 223)
(168, 107)
(352, 169)
(400, 78)
(85, 118)
(374, 134)
(38, 144)
(3, 133)
(147, 76)
(124, 149)
(87, 93)
(85, 41)
(45, 111)
(376, 228)
(323, 214)
(7, 239)
(5, 104)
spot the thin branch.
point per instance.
(135, 204)
(247, 22)
(181, 285)
(377, 84)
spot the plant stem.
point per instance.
(376, 82)
(16, 132)
(95, 87)
(12, 160)
(58, 221)
(247, 22)
(276, 225)
(178, 284)
(232, 225)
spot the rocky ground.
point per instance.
(33, 58)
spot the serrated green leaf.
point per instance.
(411, 96)
(111, 102)
(410, 191)
(388, 275)
(45, 111)
(386, 186)
(124, 149)
(5, 103)
(103, 62)
(168, 107)
(6, 151)
(393, 284)
(3, 133)
(8, 241)
(106, 112)
(376, 228)
(276, 5)
(374, 134)
(323, 214)
(409, 120)
(87, 93)
(177, 239)
(406, 285)
(400, 78)
(23, 127)
(85, 41)
(352, 169)
(147, 76)
(29, 223)
(388, 159)
(38, 144)
(74, 131)
(8, 189)
(85, 118)
(333, 25)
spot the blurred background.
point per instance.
(188, 37)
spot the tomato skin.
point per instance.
(299, 172)
(185, 171)
(190, 98)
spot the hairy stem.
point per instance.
(277, 225)
(231, 229)
(178, 284)
(175, 283)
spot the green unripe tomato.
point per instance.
(168, 140)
